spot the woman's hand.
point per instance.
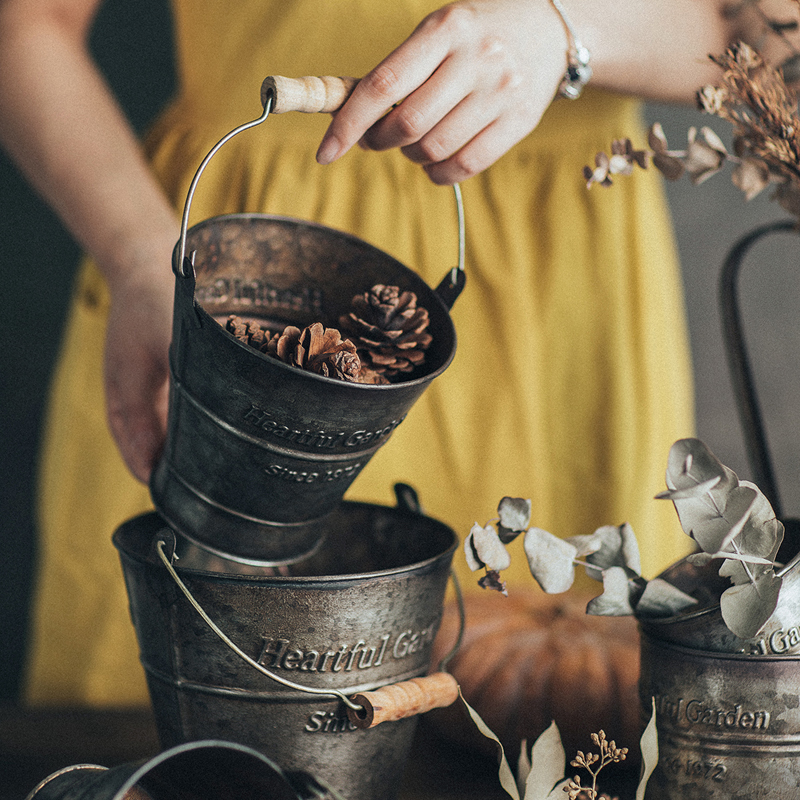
(472, 80)
(137, 361)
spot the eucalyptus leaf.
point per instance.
(662, 599)
(715, 533)
(483, 548)
(648, 746)
(691, 463)
(746, 607)
(548, 762)
(615, 600)
(690, 492)
(586, 544)
(515, 516)
(550, 560)
(618, 548)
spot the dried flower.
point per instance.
(755, 98)
(593, 763)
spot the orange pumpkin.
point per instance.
(531, 658)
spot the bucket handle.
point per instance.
(366, 709)
(309, 95)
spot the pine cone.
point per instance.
(389, 329)
(320, 350)
(248, 332)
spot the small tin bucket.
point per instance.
(728, 724)
(257, 451)
(360, 614)
(201, 770)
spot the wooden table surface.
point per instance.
(36, 743)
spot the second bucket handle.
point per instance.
(311, 95)
(365, 709)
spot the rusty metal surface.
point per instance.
(258, 451)
(728, 725)
(360, 614)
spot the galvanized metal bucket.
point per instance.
(728, 724)
(360, 614)
(258, 451)
(201, 770)
(727, 709)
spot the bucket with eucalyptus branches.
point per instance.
(720, 629)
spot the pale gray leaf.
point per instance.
(662, 599)
(550, 560)
(484, 548)
(630, 549)
(615, 600)
(699, 559)
(618, 548)
(648, 746)
(715, 533)
(515, 516)
(690, 492)
(747, 606)
(586, 544)
(691, 463)
(548, 761)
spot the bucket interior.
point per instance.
(358, 539)
(280, 271)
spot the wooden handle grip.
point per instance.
(310, 95)
(401, 700)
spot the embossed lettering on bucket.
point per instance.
(257, 451)
(358, 615)
(727, 709)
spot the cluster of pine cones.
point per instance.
(384, 335)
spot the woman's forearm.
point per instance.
(654, 49)
(63, 128)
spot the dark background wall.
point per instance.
(37, 261)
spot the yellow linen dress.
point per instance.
(571, 378)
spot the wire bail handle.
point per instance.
(364, 709)
(310, 95)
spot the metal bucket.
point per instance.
(728, 725)
(202, 770)
(701, 627)
(361, 613)
(257, 451)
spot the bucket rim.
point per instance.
(434, 296)
(315, 581)
(715, 654)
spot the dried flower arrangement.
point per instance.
(540, 772)
(386, 337)
(728, 519)
(756, 98)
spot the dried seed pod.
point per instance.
(248, 332)
(322, 351)
(389, 329)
